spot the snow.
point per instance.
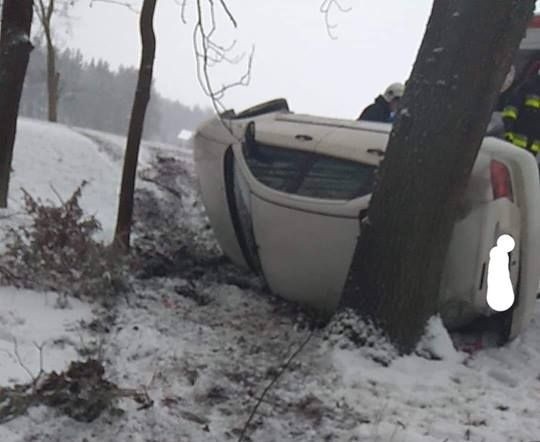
(114, 145)
(405, 112)
(20, 38)
(49, 158)
(442, 400)
(437, 343)
(29, 320)
(205, 363)
(185, 135)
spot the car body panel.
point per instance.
(214, 195)
(464, 284)
(303, 254)
(293, 134)
(526, 181)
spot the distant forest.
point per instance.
(93, 95)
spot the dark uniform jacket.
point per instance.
(521, 116)
(378, 111)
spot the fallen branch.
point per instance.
(10, 215)
(176, 193)
(21, 363)
(10, 276)
(272, 383)
(81, 392)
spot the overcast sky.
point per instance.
(294, 57)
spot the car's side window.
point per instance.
(277, 167)
(334, 178)
(309, 174)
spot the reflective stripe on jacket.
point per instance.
(521, 116)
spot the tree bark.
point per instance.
(15, 50)
(396, 271)
(45, 10)
(136, 124)
(52, 79)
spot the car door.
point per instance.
(303, 209)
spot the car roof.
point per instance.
(370, 126)
(360, 141)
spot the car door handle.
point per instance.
(362, 214)
(303, 137)
(378, 152)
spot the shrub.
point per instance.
(57, 251)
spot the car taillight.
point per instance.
(501, 183)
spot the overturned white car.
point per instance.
(284, 193)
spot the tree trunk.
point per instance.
(15, 50)
(136, 124)
(52, 79)
(398, 262)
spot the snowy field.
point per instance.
(203, 341)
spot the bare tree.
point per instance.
(466, 52)
(15, 50)
(136, 124)
(46, 10)
(208, 53)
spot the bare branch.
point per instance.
(40, 12)
(40, 348)
(10, 276)
(209, 53)
(20, 361)
(50, 11)
(57, 195)
(183, 10)
(228, 12)
(178, 194)
(125, 4)
(271, 384)
(325, 8)
(10, 215)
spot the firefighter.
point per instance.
(385, 105)
(521, 116)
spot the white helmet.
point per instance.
(395, 90)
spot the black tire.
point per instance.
(279, 104)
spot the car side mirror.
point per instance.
(251, 148)
(249, 138)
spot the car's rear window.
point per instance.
(309, 174)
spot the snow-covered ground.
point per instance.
(51, 161)
(205, 341)
(114, 145)
(33, 325)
